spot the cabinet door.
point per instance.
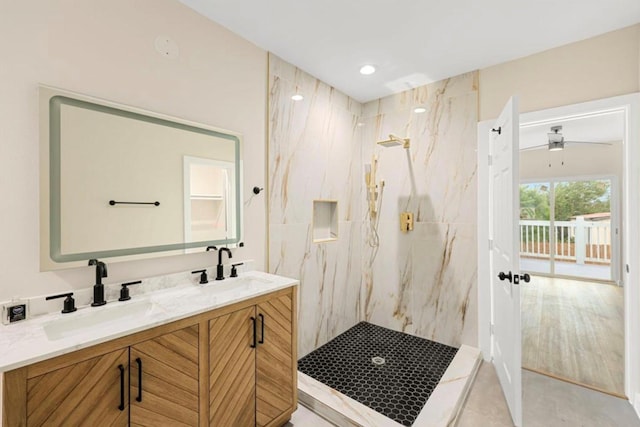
(89, 393)
(232, 369)
(275, 362)
(164, 380)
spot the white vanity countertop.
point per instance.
(51, 335)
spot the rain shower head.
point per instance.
(394, 141)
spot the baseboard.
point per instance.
(636, 404)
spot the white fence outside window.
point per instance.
(576, 241)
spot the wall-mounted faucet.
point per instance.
(220, 268)
(98, 288)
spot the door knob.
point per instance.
(525, 277)
(503, 276)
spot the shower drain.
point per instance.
(378, 360)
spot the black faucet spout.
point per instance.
(220, 268)
(98, 287)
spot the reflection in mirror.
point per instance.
(208, 204)
(125, 182)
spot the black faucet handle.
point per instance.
(203, 276)
(234, 271)
(124, 292)
(211, 248)
(69, 305)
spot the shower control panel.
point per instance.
(406, 221)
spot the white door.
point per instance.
(504, 257)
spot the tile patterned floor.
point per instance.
(391, 372)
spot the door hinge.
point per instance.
(491, 328)
(490, 160)
(490, 244)
(627, 267)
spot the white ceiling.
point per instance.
(598, 127)
(411, 42)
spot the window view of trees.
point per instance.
(573, 232)
(534, 202)
(581, 198)
(572, 199)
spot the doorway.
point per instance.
(572, 313)
(628, 276)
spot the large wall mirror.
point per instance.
(120, 182)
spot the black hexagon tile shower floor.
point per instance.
(391, 372)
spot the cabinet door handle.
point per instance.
(253, 343)
(261, 328)
(121, 406)
(139, 362)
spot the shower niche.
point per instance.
(325, 220)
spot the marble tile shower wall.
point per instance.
(314, 153)
(424, 281)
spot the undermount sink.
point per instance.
(249, 279)
(108, 317)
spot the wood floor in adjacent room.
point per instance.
(574, 330)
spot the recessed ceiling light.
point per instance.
(297, 97)
(419, 110)
(367, 70)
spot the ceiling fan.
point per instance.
(556, 141)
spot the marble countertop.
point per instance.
(50, 335)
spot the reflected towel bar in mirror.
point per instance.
(113, 202)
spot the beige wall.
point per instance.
(599, 67)
(106, 49)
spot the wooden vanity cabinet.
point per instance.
(164, 380)
(152, 383)
(209, 369)
(232, 365)
(81, 393)
(252, 358)
(276, 358)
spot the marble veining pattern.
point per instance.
(314, 154)
(39, 306)
(422, 282)
(28, 341)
